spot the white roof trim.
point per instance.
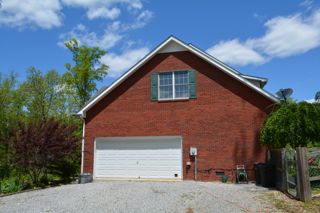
(190, 48)
(228, 67)
(214, 59)
(254, 78)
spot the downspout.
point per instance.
(195, 167)
(82, 143)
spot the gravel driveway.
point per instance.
(135, 196)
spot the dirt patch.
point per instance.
(286, 204)
(189, 210)
(313, 206)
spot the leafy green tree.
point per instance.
(44, 93)
(292, 124)
(27, 109)
(11, 112)
(86, 71)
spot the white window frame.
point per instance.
(173, 87)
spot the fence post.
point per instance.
(283, 171)
(304, 188)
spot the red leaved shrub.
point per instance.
(37, 146)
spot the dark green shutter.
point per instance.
(192, 85)
(154, 86)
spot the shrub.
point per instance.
(11, 185)
(292, 124)
(66, 168)
(38, 145)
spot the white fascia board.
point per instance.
(190, 48)
(254, 78)
(215, 60)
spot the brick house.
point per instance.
(176, 98)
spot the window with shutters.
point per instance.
(173, 85)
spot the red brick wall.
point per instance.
(223, 122)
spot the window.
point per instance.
(174, 85)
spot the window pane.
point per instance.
(165, 79)
(166, 92)
(181, 78)
(165, 85)
(181, 87)
(182, 91)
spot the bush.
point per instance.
(11, 185)
(292, 124)
(66, 169)
(39, 145)
(4, 164)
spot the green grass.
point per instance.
(314, 205)
(315, 190)
(278, 203)
(11, 185)
(285, 204)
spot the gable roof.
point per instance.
(178, 45)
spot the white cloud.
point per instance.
(103, 8)
(111, 36)
(34, 13)
(142, 19)
(288, 36)
(139, 22)
(312, 101)
(103, 12)
(234, 52)
(308, 4)
(284, 37)
(93, 3)
(119, 63)
(80, 32)
(48, 13)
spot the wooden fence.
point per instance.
(313, 156)
(297, 171)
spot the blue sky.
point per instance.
(278, 40)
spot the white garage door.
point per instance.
(138, 157)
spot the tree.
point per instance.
(38, 145)
(11, 111)
(44, 94)
(293, 124)
(82, 77)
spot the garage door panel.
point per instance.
(133, 173)
(124, 163)
(139, 157)
(147, 153)
(105, 156)
(139, 151)
(139, 144)
(136, 167)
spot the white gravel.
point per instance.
(135, 196)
